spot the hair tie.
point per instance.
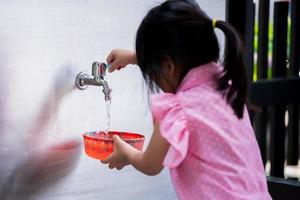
(214, 23)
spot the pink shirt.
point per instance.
(212, 154)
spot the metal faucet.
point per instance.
(98, 72)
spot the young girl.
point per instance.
(202, 131)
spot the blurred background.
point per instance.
(43, 46)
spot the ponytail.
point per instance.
(233, 81)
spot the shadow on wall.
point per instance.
(27, 167)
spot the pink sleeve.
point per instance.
(166, 110)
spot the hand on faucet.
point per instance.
(120, 58)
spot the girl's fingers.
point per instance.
(119, 167)
(109, 159)
(117, 140)
(111, 165)
(112, 67)
(104, 161)
(110, 58)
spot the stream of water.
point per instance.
(108, 104)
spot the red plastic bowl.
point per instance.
(99, 145)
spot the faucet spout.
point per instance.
(97, 79)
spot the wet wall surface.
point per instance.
(43, 45)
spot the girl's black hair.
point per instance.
(181, 30)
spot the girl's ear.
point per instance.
(169, 67)
(170, 80)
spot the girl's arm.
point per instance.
(148, 162)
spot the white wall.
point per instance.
(43, 45)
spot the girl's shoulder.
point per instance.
(168, 111)
(165, 104)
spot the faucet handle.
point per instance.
(99, 70)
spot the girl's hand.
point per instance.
(119, 158)
(119, 58)
(148, 162)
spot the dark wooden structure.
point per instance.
(276, 95)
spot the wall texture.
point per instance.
(43, 45)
